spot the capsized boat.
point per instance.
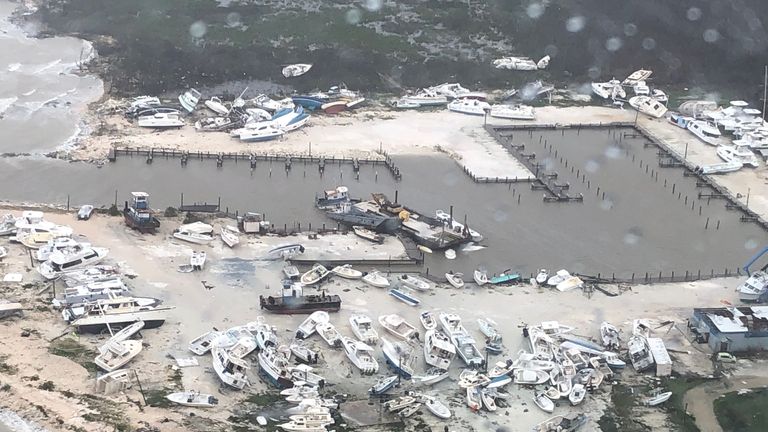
(362, 327)
(398, 326)
(193, 399)
(404, 297)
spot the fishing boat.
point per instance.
(115, 355)
(202, 344)
(64, 260)
(427, 319)
(474, 399)
(481, 277)
(347, 272)
(529, 376)
(232, 371)
(398, 356)
(229, 236)
(469, 106)
(303, 353)
(738, 153)
(431, 376)
(309, 325)
(414, 282)
(578, 392)
(362, 327)
(314, 275)
(189, 99)
(489, 402)
(720, 168)
(196, 232)
(160, 120)
(329, 334)
(639, 353)
(297, 69)
(504, 278)
(139, 215)
(383, 385)
(398, 326)
(436, 407)
(85, 212)
(610, 335)
(545, 403)
(274, 367)
(375, 278)
(465, 345)
(513, 112)
(367, 234)
(455, 279)
(404, 297)
(361, 355)
(542, 276)
(438, 350)
(193, 399)
(648, 106)
(65, 244)
(657, 399)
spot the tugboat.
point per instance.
(366, 214)
(294, 301)
(333, 198)
(139, 216)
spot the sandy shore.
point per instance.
(226, 294)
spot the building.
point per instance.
(732, 329)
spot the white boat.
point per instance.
(465, 345)
(305, 373)
(450, 254)
(469, 106)
(265, 102)
(399, 403)
(275, 367)
(375, 278)
(117, 354)
(266, 336)
(754, 288)
(303, 353)
(531, 361)
(262, 132)
(455, 279)
(347, 272)
(499, 381)
(489, 402)
(414, 282)
(43, 253)
(399, 356)
(202, 344)
(529, 376)
(638, 75)
(189, 99)
(560, 276)
(232, 371)
(571, 283)
(456, 226)
(578, 392)
(329, 334)
(438, 350)
(161, 120)
(474, 399)
(610, 335)
(642, 328)
(85, 212)
(543, 62)
(639, 353)
(648, 106)
(705, 131)
(544, 402)
(657, 399)
(3, 252)
(216, 105)
(295, 70)
(425, 98)
(515, 63)
(361, 355)
(229, 236)
(291, 272)
(641, 88)
(107, 306)
(405, 104)
(427, 320)
(7, 225)
(197, 260)
(487, 327)
(542, 276)
(738, 153)
(362, 327)
(64, 260)
(193, 399)
(404, 297)
(309, 325)
(481, 277)
(431, 376)
(383, 385)
(196, 232)
(367, 234)
(314, 275)
(720, 168)
(513, 112)
(436, 407)
(124, 334)
(398, 326)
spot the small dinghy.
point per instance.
(347, 272)
(315, 275)
(559, 277)
(415, 282)
(291, 272)
(657, 399)
(428, 321)
(542, 401)
(577, 394)
(229, 236)
(489, 402)
(481, 277)
(472, 378)
(329, 334)
(436, 407)
(193, 399)
(376, 279)
(308, 327)
(383, 385)
(455, 279)
(474, 399)
(362, 327)
(303, 353)
(542, 276)
(404, 297)
(398, 326)
(367, 234)
(197, 260)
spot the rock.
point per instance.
(25, 333)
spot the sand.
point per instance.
(226, 294)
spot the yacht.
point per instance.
(65, 260)
(231, 370)
(466, 347)
(161, 120)
(98, 316)
(58, 244)
(438, 350)
(91, 292)
(262, 132)
(196, 232)
(647, 105)
(754, 288)
(738, 153)
(469, 106)
(705, 131)
(425, 98)
(514, 112)
(275, 367)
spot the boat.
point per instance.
(347, 272)
(531, 361)
(303, 353)
(310, 102)
(738, 153)
(465, 345)
(542, 276)
(216, 105)
(559, 277)
(431, 376)
(361, 355)
(291, 272)
(356, 102)
(314, 275)
(160, 120)
(297, 302)
(569, 423)
(488, 327)
(265, 102)
(399, 357)
(365, 214)
(332, 198)
(657, 399)
(545, 403)
(720, 168)
(414, 282)
(513, 112)
(7, 225)
(641, 328)
(543, 62)
(65, 244)
(455, 226)
(638, 75)
(138, 215)
(424, 249)
(229, 236)
(309, 325)
(64, 260)
(659, 95)
(329, 334)
(116, 313)
(383, 385)
(404, 297)
(85, 212)
(705, 131)
(376, 279)
(115, 355)
(472, 378)
(398, 326)
(505, 277)
(648, 106)
(571, 283)
(405, 104)
(305, 373)
(193, 399)
(425, 98)
(196, 232)
(455, 279)
(289, 120)
(3, 252)
(274, 367)
(232, 371)
(481, 277)
(285, 251)
(189, 99)
(294, 70)
(202, 344)
(578, 392)
(469, 106)
(266, 336)
(552, 392)
(529, 376)
(124, 334)
(438, 350)
(489, 402)
(499, 381)
(410, 410)
(639, 353)
(427, 320)
(367, 234)
(362, 328)
(515, 63)
(97, 273)
(197, 260)
(754, 288)
(474, 399)
(260, 133)
(436, 407)
(399, 403)
(641, 88)
(610, 335)
(334, 107)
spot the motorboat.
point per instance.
(123, 335)
(362, 327)
(405, 104)
(639, 353)
(161, 121)
(529, 376)
(361, 355)
(436, 407)
(450, 254)
(85, 212)
(66, 244)
(488, 327)
(347, 272)
(265, 102)
(527, 360)
(648, 106)
(705, 131)
(754, 288)
(571, 283)
(431, 376)
(197, 260)
(569, 423)
(310, 102)
(303, 353)
(638, 75)
(465, 345)
(290, 120)
(438, 350)
(314, 275)
(578, 392)
(291, 272)
(216, 105)
(334, 107)
(375, 278)
(541, 344)
(738, 153)
(469, 106)
(399, 403)
(189, 99)
(427, 319)
(383, 385)
(404, 297)
(193, 399)
(265, 336)
(332, 198)
(116, 313)
(559, 277)
(457, 227)
(513, 112)
(720, 168)
(414, 282)
(641, 88)
(329, 334)
(297, 69)
(499, 381)
(399, 357)
(274, 365)
(116, 354)
(367, 234)
(196, 232)
(659, 95)
(231, 370)
(543, 62)
(610, 335)
(284, 251)
(451, 90)
(481, 277)
(229, 236)
(217, 124)
(424, 98)
(544, 402)
(262, 132)
(97, 273)
(309, 325)
(474, 398)
(489, 402)
(7, 225)
(398, 326)
(657, 399)
(91, 291)
(203, 343)
(306, 374)
(516, 63)
(542, 276)
(455, 279)
(61, 261)
(505, 277)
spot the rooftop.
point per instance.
(737, 319)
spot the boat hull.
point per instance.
(301, 305)
(99, 328)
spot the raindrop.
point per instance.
(711, 35)
(613, 152)
(500, 216)
(649, 43)
(630, 29)
(591, 166)
(551, 50)
(233, 19)
(535, 10)
(353, 16)
(613, 44)
(372, 5)
(631, 238)
(197, 29)
(693, 14)
(606, 204)
(575, 24)
(594, 72)
(450, 180)
(750, 244)
(548, 164)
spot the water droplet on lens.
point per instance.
(630, 29)
(594, 72)
(750, 244)
(233, 19)
(613, 152)
(649, 43)
(372, 5)
(613, 44)
(353, 16)
(693, 14)
(591, 166)
(499, 216)
(535, 10)
(197, 29)
(575, 24)
(711, 35)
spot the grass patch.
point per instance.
(618, 416)
(5, 368)
(47, 386)
(107, 412)
(676, 407)
(263, 399)
(156, 397)
(743, 412)
(73, 350)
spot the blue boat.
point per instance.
(139, 215)
(403, 297)
(504, 278)
(398, 357)
(309, 102)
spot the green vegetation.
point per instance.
(676, 407)
(70, 348)
(618, 417)
(171, 212)
(47, 386)
(743, 412)
(107, 412)
(263, 399)
(6, 368)
(113, 210)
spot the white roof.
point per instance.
(760, 312)
(659, 351)
(727, 325)
(139, 194)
